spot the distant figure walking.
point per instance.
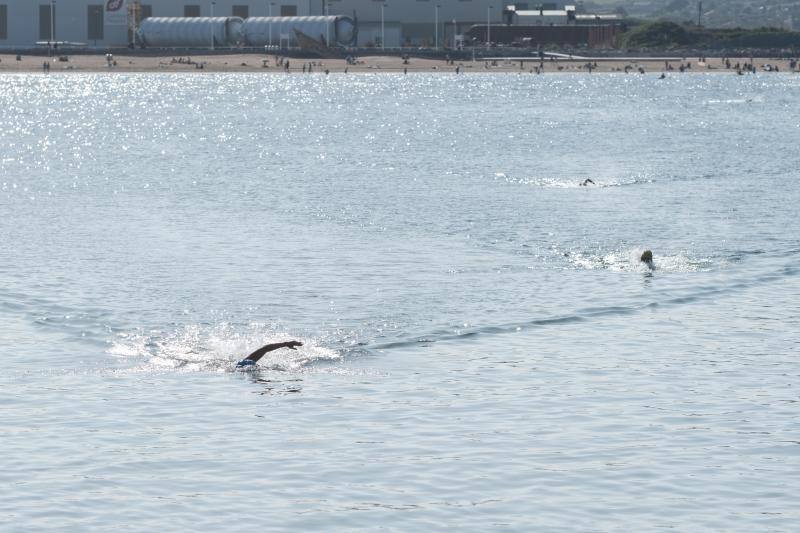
(253, 358)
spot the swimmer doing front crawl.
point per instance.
(647, 259)
(253, 358)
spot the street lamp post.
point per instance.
(488, 26)
(52, 26)
(436, 27)
(327, 24)
(211, 22)
(455, 35)
(383, 28)
(270, 23)
(135, 12)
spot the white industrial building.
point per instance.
(109, 23)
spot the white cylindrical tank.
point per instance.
(190, 32)
(262, 31)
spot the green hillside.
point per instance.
(666, 35)
(728, 14)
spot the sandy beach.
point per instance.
(271, 64)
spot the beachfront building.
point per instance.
(381, 23)
(426, 23)
(440, 23)
(109, 23)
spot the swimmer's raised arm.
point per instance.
(258, 354)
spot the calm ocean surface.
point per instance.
(483, 350)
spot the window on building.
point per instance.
(241, 11)
(3, 21)
(46, 31)
(191, 11)
(288, 11)
(94, 23)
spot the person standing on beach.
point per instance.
(253, 358)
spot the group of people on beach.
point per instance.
(309, 68)
(187, 61)
(281, 61)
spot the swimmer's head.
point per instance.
(647, 257)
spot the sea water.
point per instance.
(482, 348)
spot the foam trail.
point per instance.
(629, 260)
(583, 315)
(216, 348)
(575, 182)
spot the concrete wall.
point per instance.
(416, 11)
(415, 18)
(573, 35)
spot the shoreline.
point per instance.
(217, 63)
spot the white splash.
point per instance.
(629, 260)
(584, 182)
(217, 348)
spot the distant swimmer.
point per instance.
(647, 259)
(587, 182)
(253, 358)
